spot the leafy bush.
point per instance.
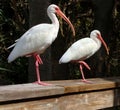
(13, 23)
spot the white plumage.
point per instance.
(80, 50)
(35, 40)
(38, 38)
(83, 49)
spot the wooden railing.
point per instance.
(62, 95)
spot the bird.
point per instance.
(83, 49)
(38, 38)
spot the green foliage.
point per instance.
(114, 63)
(82, 16)
(13, 23)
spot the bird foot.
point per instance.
(42, 83)
(86, 81)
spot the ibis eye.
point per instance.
(56, 8)
(97, 34)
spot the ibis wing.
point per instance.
(36, 39)
(80, 50)
(83, 49)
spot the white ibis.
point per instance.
(83, 49)
(38, 38)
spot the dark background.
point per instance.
(17, 16)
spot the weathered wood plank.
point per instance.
(83, 101)
(25, 91)
(63, 95)
(89, 101)
(71, 86)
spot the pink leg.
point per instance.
(37, 57)
(39, 61)
(81, 69)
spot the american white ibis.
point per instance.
(83, 49)
(38, 38)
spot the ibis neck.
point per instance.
(98, 42)
(54, 20)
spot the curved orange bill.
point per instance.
(60, 13)
(105, 45)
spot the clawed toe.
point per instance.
(42, 83)
(86, 81)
